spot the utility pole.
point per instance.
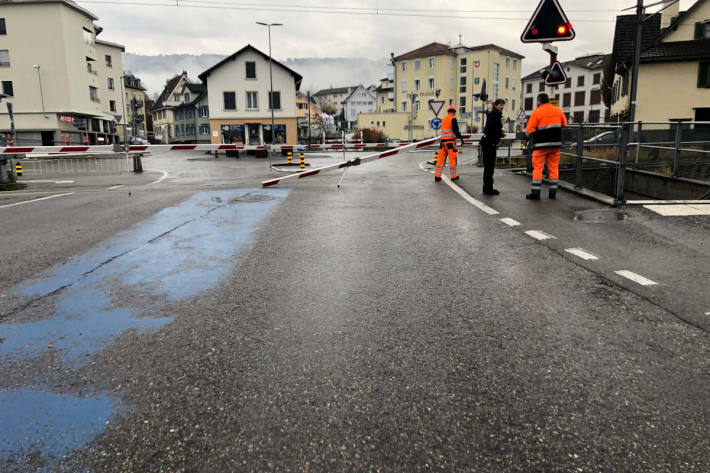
(3, 159)
(308, 97)
(271, 92)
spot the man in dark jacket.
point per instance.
(492, 133)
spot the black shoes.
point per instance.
(491, 191)
(437, 179)
(532, 196)
(455, 178)
(553, 195)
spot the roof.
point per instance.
(196, 88)
(297, 77)
(336, 91)
(592, 62)
(677, 51)
(504, 51)
(169, 87)
(681, 17)
(357, 87)
(431, 49)
(113, 45)
(625, 34)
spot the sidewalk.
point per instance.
(665, 259)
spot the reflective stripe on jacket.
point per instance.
(545, 126)
(447, 128)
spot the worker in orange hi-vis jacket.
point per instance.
(449, 133)
(545, 126)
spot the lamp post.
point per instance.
(271, 91)
(41, 93)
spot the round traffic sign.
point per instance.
(435, 123)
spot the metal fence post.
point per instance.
(676, 151)
(621, 170)
(580, 153)
(638, 144)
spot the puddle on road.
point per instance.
(176, 254)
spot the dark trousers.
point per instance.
(488, 150)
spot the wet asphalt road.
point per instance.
(383, 326)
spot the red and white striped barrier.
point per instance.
(358, 161)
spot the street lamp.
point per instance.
(41, 94)
(271, 80)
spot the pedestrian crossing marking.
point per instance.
(582, 253)
(538, 235)
(637, 278)
(510, 222)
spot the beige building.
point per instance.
(452, 75)
(674, 72)
(333, 97)
(164, 108)
(385, 94)
(58, 75)
(134, 111)
(240, 103)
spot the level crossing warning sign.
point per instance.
(436, 106)
(522, 117)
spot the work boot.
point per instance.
(553, 194)
(533, 196)
(491, 191)
(455, 178)
(437, 179)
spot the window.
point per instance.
(462, 68)
(230, 102)
(594, 116)
(462, 103)
(702, 30)
(186, 97)
(515, 64)
(204, 129)
(432, 62)
(417, 64)
(382, 100)
(417, 84)
(404, 66)
(404, 86)
(507, 62)
(404, 105)
(462, 84)
(512, 104)
(431, 83)
(579, 98)
(204, 112)
(566, 99)
(528, 88)
(597, 78)
(108, 61)
(7, 88)
(251, 70)
(507, 82)
(541, 87)
(88, 36)
(568, 83)
(93, 94)
(4, 58)
(496, 79)
(578, 117)
(580, 81)
(2, 26)
(110, 83)
(595, 97)
(704, 74)
(275, 101)
(515, 83)
(418, 105)
(112, 105)
(252, 100)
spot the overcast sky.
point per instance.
(224, 26)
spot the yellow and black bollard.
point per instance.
(303, 161)
(290, 155)
(18, 169)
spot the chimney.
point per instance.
(669, 14)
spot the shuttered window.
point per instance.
(704, 74)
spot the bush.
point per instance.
(369, 135)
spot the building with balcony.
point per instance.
(63, 82)
(135, 108)
(385, 95)
(240, 100)
(454, 75)
(580, 97)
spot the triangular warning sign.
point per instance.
(555, 74)
(522, 116)
(548, 23)
(436, 106)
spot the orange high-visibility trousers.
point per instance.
(551, 156)
(447, 148)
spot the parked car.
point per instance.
(605, 138)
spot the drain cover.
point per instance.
(253, 198)
(599, 216)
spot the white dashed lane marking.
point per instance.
(581, 253)
(470, 199)
(637, 278)
(538, 235)
(35, 200)
(510, 222)
(114, 187)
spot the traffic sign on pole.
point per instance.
(555, 74)
(435, 123)
(548, 23)
(436, 106)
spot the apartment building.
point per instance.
(385, 94)
(63, 82)
(192, 117)
(333, 97)
(135, 110)
(240, 102)
(674, 70)
(580, 97)
(303, 108)
(163, 109)
(454, 75)
(360, 100)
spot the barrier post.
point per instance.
(303, 161)
(18, 169)
(290, 156)
(580, 153)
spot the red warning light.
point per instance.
(534, 31)
(562, 29)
